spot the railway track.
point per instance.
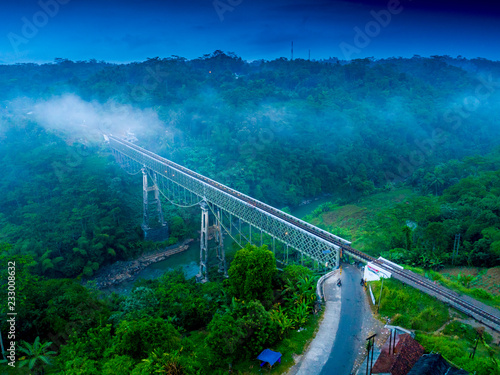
(472, 309)
(406, 276)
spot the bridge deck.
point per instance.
(304, 237)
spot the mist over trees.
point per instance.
(281, 131)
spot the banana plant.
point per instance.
(303, 291)
(465, 280)
(307, 290)
(37, 355)
(301, 314)
(281, 318)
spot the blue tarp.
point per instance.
(269, 356)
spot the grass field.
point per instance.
(350, 220)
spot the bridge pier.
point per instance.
(291, 234)
(220, 244)
(146, 189)
(158, 201)
(145, 201)
(203, 275)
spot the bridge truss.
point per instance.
(232, 211)
(245, 219)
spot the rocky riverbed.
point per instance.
(121, 271)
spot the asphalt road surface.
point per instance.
(348, 337)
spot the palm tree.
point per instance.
(36, 355)
(436, 181)
(349, 181)
(407, 230)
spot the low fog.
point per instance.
(73, 118)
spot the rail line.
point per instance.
(403, 275)
(460, 304)
(338, 241)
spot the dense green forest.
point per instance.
(169, 325)
(281, 131)
(421, 231)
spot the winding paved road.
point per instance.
(348, 337)
(336, 344)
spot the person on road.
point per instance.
(339, 282)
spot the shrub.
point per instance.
(294, 272)
(459, 329)
(242, 331)
(251, 273)
(481, 294)
(138, 338)
(409, 307)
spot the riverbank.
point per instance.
(122, 271)
(120, 275)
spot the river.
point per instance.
(189, 260)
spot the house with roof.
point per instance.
(434, 364)
(398, 357)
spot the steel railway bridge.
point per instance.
(239, 215)
(250, 220)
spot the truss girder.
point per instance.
(295, 237)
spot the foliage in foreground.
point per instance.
(457, 350)
(412, 309)
(251, 274)
(170, 325)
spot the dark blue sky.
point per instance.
(133, 30)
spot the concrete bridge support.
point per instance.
(203, 275)
(146, 202)
(220, 244)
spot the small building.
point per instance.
(398, 359)
(269, 356)
(434, 364)
(373, 272)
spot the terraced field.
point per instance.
(484, 278)
(349, 221)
